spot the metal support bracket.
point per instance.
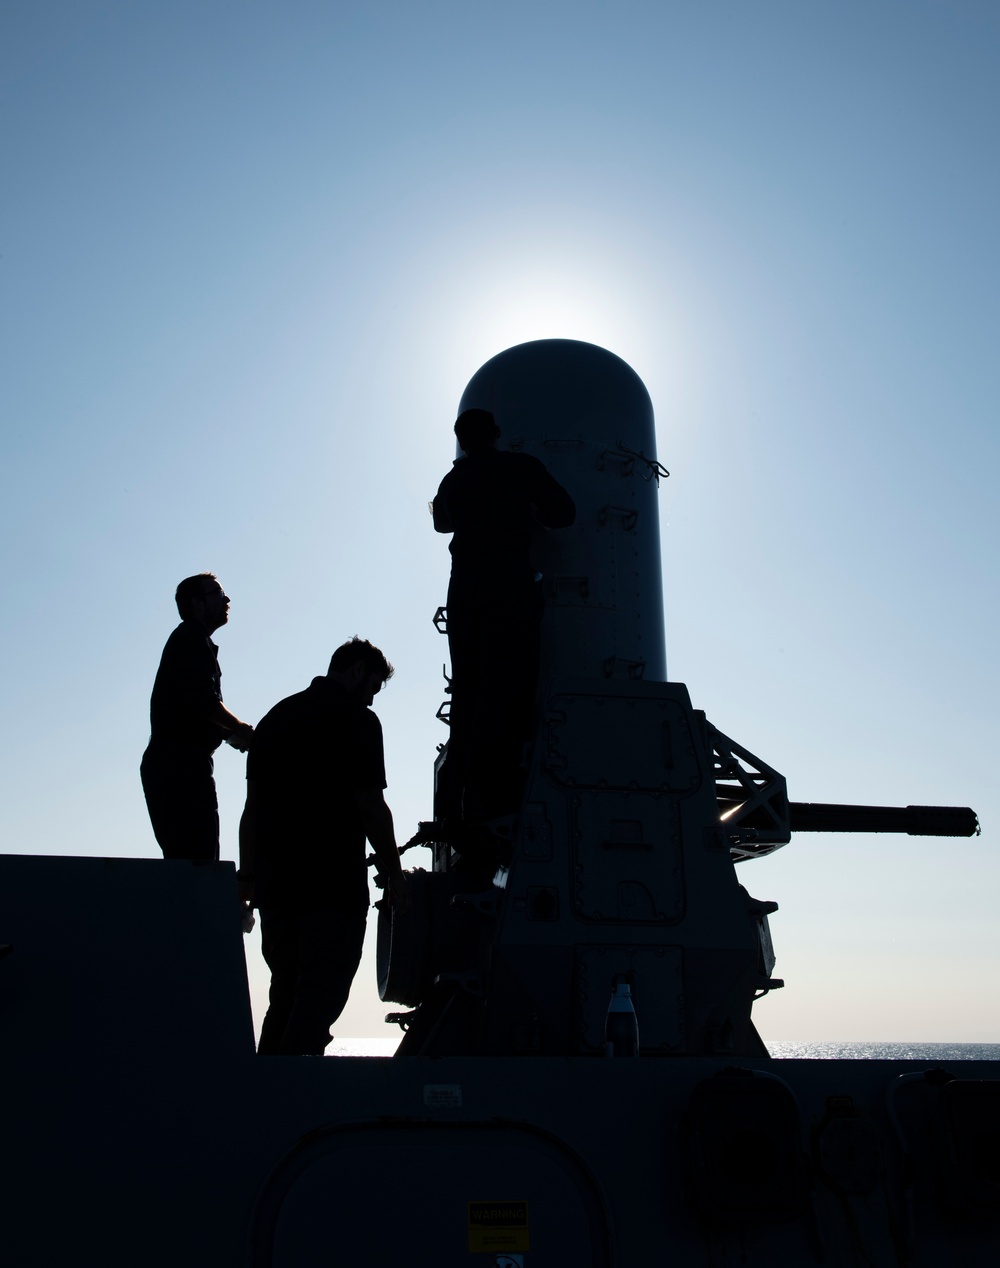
(751, 795)
(470, 983)
(633, 668)
(627, 514)
(483, 904)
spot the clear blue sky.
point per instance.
(252, 252)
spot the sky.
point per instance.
(250, 255)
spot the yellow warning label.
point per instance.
(498, 1226)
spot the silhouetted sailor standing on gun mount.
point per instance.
(188, 722)
(491, 500)
(315, 777)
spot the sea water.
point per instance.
(871, 1051)
(784, 1050)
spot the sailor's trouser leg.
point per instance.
(183, 806)
(494, 646)
(313, 957)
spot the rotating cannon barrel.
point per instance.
(915, 821)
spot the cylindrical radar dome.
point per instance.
(588, 417)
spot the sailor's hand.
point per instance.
(399, 895)
(248, 917)
(241, 737)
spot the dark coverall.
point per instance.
(490, 501)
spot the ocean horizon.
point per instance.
(781, 1050)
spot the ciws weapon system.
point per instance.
(620, 865)
(602, 917)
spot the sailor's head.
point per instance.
(360, 668)
(201, 598)
(476, 429)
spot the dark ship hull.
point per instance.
(140, 1127)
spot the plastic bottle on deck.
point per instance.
(621, 1029)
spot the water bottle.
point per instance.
(621, 1030)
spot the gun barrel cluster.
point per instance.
(915, 821)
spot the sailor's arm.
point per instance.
(194, 677)
(442, 520)
(238, 733)
(377, 819)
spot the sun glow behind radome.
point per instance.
(551, 287)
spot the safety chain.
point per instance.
(654, 469)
